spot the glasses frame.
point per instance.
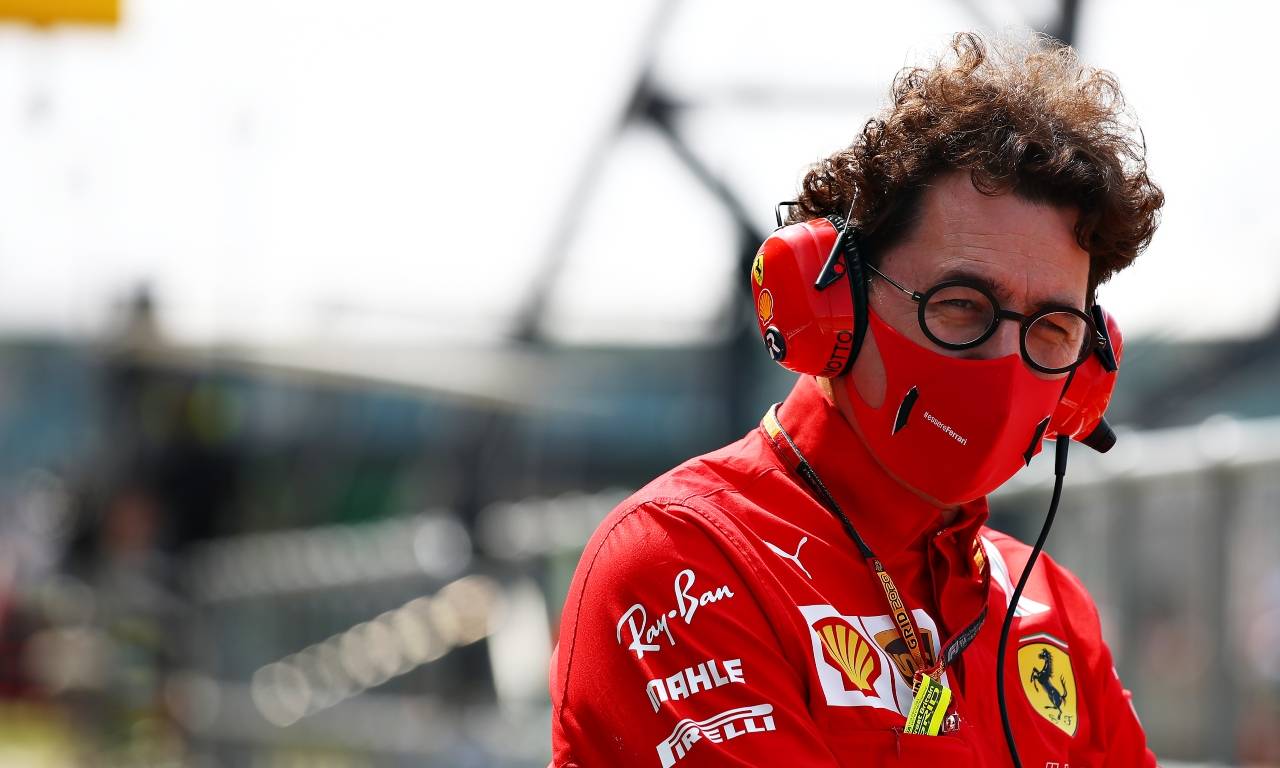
(1024, 322)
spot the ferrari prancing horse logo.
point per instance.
(1047, 679)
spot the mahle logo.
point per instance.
(850, 653)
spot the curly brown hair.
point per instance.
(1025, 117)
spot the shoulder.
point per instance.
(732, 469)
(1011, 557)
(699, 498)
(678, 538)
(1054, 594)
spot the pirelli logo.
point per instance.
(717, 729)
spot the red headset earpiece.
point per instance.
(1079, 414)
(809, 323)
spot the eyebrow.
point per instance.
(1001, 292)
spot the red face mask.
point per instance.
(952, 428)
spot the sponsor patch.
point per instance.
(849, 652)
(764, 306)
(775, 343)
(757, 267)
(854, 668)
(717, 729)
(1048, 680)
(779, 551)
(685, 683)
(646, 636)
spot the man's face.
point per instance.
(1025, 253)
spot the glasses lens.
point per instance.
(958, 314)
(1057, 340)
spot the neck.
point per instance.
(840, 397)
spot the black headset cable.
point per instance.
(1059, 471)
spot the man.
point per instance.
(804, 595)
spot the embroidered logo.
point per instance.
(717, 729)
(851, 663)
(850, 652)
(1048, 680)
(645, 635)
(703, 677)
(788, 556)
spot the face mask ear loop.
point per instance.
(1059, 471)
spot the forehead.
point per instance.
(1025, 252)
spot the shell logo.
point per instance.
(849, 652)
(764, 306)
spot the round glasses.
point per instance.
(962, 314)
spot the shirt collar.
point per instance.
(890, 518)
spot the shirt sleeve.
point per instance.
(1124, 743)
(666, 656)
(1118, 740)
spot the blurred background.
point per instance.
(329, 330)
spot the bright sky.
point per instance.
(287, 172)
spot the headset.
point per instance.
(810, 328)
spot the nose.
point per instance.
(1004, 342)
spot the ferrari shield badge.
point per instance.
(1047, 679)
(757, 268)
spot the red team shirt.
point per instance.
(722, 617)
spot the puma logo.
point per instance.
(793, 558)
